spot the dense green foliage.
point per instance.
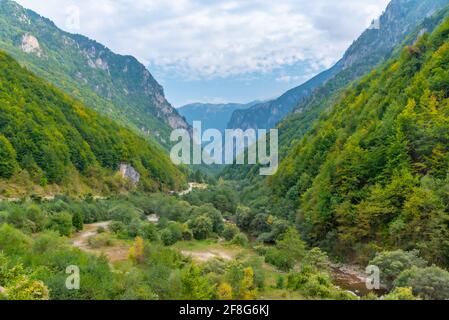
(50, 135)
(373, 171)
(430, 283)
(36, 255)
(401, 25)
(371, 49)
(116, 86)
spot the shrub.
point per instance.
(101, 240)
(392, 263)
(401, 294)
(292, 244)
(117, 227)
(101, 230)
(124, 213)
(149, 232)
(3, 216)
(430, 283)
(61, 222)
(17, 218)
(187, 234)
(78, 221)
(240, 239)
(201, 227)
(35, 214)
(244, 217)
(13, 241)
(18, 284)
(230, 231)
(167, 237)
(134, 228)
(317, 259)
(281, 259)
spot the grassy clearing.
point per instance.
(205, 250)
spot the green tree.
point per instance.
(430, 283)
(230, 231)
(61, 222)
(392, 263)
(195, 286)
(39, 218)
(78, 221)
(17, 283)
(202, 227)
(8, 161)
(292, 243)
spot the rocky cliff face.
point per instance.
(129, 173)
(129, 78)
(399, 19)
(115, 85)
(373, 47)
(30, 44)
(267, 114)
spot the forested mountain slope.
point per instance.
(374, 46)
(117, 86)
(57, 140)
(295, 126)
(373, 172)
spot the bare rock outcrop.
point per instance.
(31, 45)
(128, 172)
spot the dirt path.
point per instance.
(114, 253)
(193, 186)
(81, 239)
(204, 256)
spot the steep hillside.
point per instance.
(268, 114)
(374, 46)
(114, 85)
(56, 140)
(373, 171)
(212, 116)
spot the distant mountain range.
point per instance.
(212, 116)
(372, 48)
(116, 86)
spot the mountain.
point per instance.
(373, 172)
(402, 22)
(267, 114)
(48, 138)
(116, 86)
(373, 47)
(212, 116)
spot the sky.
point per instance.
(220, 51)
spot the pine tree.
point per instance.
(77, 221)
(8, 162)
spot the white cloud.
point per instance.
(210, 39)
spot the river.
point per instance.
(348, 278)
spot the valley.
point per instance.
(360, 179)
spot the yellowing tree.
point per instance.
(248, 290)
(16, 283)
(224, 291)
(137, 251)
